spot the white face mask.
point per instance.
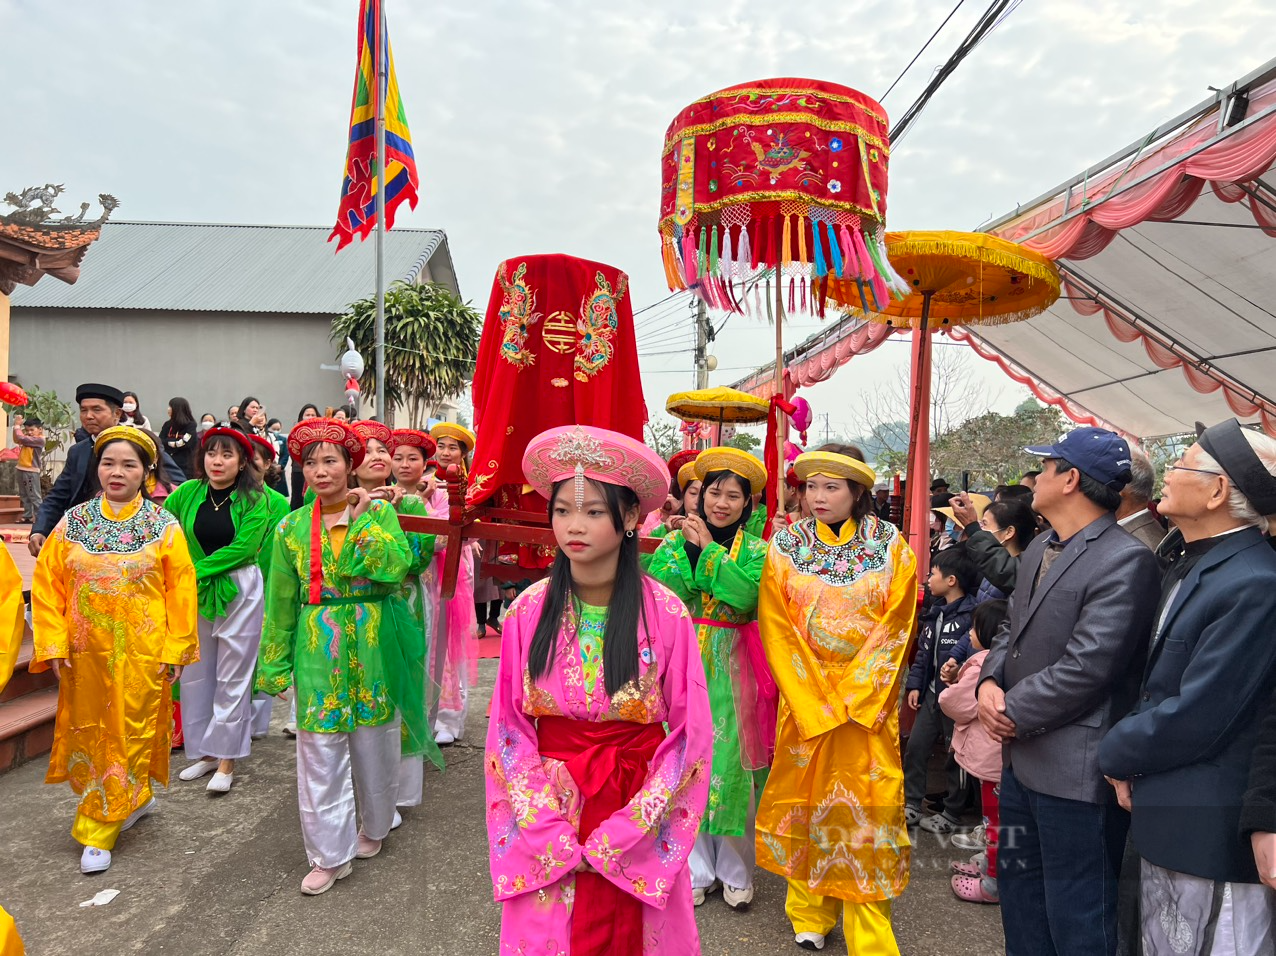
(130, 407)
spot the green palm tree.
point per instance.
(431, 344)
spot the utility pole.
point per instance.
(827, 431)
(702, 344)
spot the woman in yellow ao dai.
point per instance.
(836, 608)
(114, 613)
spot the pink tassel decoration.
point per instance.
(851, 260)
(792, 295)
(861, 253)
(690, 256)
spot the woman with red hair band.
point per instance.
(225, 517)
(337, 629)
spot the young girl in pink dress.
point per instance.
(592, 805)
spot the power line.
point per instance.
(989, 21)
(671, 295)
(882, 98)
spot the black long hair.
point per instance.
(620, 638)
(182, 415)
(247, 482)
(309, 405)
(1017, 514)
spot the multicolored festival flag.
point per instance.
(357, 214)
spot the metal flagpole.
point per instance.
(383, 68)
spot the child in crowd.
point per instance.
(28, 435)
(978, 753)
(952, 582)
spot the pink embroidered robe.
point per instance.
(533, 805)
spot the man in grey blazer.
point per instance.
(1061, 671)
(1133, 514)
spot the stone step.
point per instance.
(10, 509)
(26, 727)
(23, 681)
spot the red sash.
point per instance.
(609, 761)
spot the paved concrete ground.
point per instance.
(220, 875)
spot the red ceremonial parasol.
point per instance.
(772, 179)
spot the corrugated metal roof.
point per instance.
(217, 267)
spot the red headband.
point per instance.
(378, 430)
(265, 445)
(328, 430)
(411, 438)
(230, 432)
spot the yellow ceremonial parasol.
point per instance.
(955, 278)
(720, 405)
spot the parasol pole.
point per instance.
(780, 420)
(917, 500)
(383, 66)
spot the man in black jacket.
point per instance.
(1180, 761)
(101, 406)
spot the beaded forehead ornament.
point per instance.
(577, 449)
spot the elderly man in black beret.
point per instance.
(1180, 761)
(101, 406)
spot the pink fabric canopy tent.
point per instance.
(1169, 307)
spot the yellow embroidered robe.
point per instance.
(13, 613)
(114, 593)
(836, 613)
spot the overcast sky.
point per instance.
(537, 125)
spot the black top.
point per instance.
(214, 528)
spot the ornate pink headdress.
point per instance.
(580, 452)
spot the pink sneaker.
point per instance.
(367, 848)
(320, 880)
(972, 890)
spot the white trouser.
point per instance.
(728, 859)
(217, 689)
(453, 721)
(331, 769)
(411, 781)
(263, 706)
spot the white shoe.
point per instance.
(93, 860)
(810, 940)
(737, 899)
(444, 737)
(698, 893)
(398, 820)
(221, 782)
(144, 810)
(200, 768)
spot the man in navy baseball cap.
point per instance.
(1095, 452)
(1054, 682)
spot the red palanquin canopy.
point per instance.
(558, 348)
